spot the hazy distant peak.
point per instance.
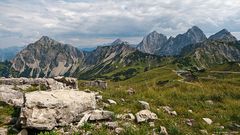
(224, 34)
(118, 42)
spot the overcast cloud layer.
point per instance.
(89, 23)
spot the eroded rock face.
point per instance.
(56, 83)
(10, 96)
(152, 42)
(45, 110)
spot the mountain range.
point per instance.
(158, 44)
(120, 60)
(47, 58)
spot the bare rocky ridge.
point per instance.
(220, 48)
(175, 45)
(223, 35)
(158, 44)
(104, 54)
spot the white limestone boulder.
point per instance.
(45, 110)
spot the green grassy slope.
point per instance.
(181, 96)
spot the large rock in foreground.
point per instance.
(46, 110)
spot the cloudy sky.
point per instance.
(88, 23)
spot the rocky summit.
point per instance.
(223, 35)
(152, 42)
(175, 44)
(47, 58)
(158, 44)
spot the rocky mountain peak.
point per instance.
(175, 45)
(196, 33)
(223, 35)
(152, 42)
(118, 42)
(45, 40)
(47, 58)
(195, 28)
(153, 33)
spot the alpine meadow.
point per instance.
(120, 67)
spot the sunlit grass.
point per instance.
(181, 96)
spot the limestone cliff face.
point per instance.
(158, 44)
(47, 58)
(152, 42)
(175, 44)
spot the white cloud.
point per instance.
(90, 20)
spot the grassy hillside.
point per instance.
(182, 96)
(215, 95)
(123, 69)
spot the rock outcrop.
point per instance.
(56, 83)
(145, 115)
(55, 108)
(10, 96)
